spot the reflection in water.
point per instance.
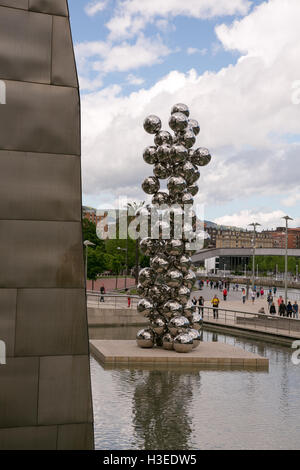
(184, 408)
(161, 403)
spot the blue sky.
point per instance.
(232, 62)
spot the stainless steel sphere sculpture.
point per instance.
(166, 285)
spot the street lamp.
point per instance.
(286, 218)
(126, 250)
(87, 243)
(254, 225)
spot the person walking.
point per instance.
(279, 300)
(274, 290)
(102, 292)
(295, 309)
(253, 296)
(243, 295)
(257, 294)
(201, 305)
(282, 309)
(270, 299)
(215, 303)
(289, 310)
(272, 309)
(262, 292)
(225, 294)
(194, 300)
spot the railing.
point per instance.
(256, 321)
(115, 301)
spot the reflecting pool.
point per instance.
(190, 408)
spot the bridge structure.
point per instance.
(208, 253)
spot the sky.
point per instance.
(235, 63)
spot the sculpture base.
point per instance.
(208, 354)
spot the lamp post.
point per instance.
(87, 243)
(254, 225)
(286, 218)
(126, 250)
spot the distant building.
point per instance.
(91, 214)
(238, 238)
(278, 237)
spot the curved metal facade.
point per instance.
(45, 391)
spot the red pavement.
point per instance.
(110, 283)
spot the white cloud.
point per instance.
(132, 15)
(293, 198)
(267, 220)
(102, 57)
(244, 110)
(133, 80)
(194, 50)
(92, 8)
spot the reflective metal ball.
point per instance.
(151, 185)
(178, 122)
(176, 324)
(189, 279)
(183, 343)
(193, 189)
(196, 321)
(180, 108)
(163, 137)
(163, 153)
(201, 156)
(162, 171)
(196, 335)
(189, 138)
(146, 277)
(145, 307)
(160, 198)
(176, 184)
(158, 325)
(183, 294)
(173, 278)
(149, 246)
(160, 263)
(172, 308)
(150, 155)
(145, 338)
(152, 124)
(183, 263)
(174, 247)
(168, 341)
(189, 309)
(194, 126)
(178, 153)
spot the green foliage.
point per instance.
(268, 263)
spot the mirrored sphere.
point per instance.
(160, 198)
(178, 122)
(186, 199)
(174, 247)
(183, 343)
(145, 338)
(176, 324)
(168, 341)
(151, 185)
(183, 294)
(188, 232)
(194, 126)
(183, 263)
(160, 263)
(201, 157)
(189, 309)
(189, 279)
(152, 124)
(172, 308)
(162, 229)
(150, 155)
(176, 184)
(149, 246)
(158, 325)
(180, 108)
(189, 138)
(141, 290)
(196, 335)
(192, 177)
(174, 278)
(193, 189)
(145, 307)
(162, 171)
(178, 153)
(188, 170)
(163, 153)
(146, 277)
(163, 137)
(154, 293)
(196, 321)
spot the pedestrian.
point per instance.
(211, 284)
(244, 295)
(262, 292)
(295, 309)
(201, 305)
(282, 309)
(237, 287)
(257, 294)
(270, 299)
(225, 294)
(274, 290)
(253, 296)
(194, 301)
(102, 292)
(272, 309)
(215, 303)
(280, 300)
(289, 310)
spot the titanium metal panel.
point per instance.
(28, 438)
(49, 188)
(40, 118)
(75, 436)
(20, 4)
(64, 393)
(19, 392)
(26, 55)
(40, 254)
(8, 305)
(63, 61)
(59, 317)
(53, 7)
